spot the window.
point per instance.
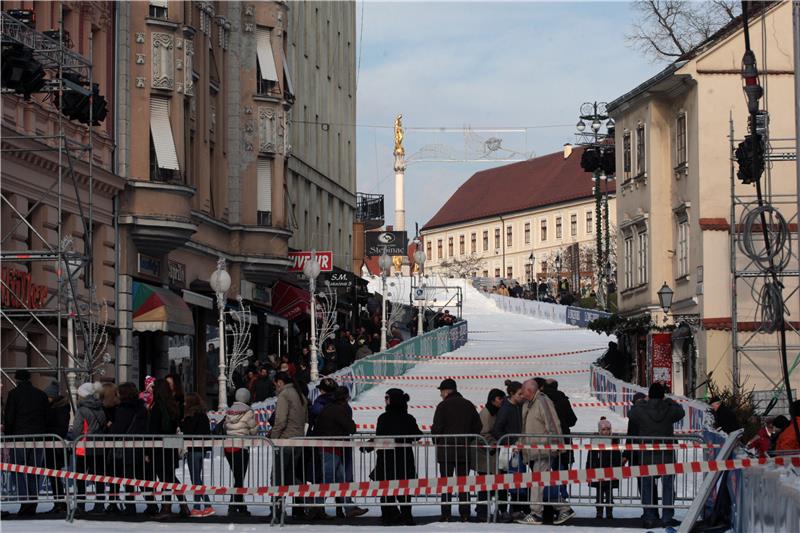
(528, 272)
(543, 266)
(527, 233)
(642, 266)
(267, 73)
(485, 240)
(573, 225)
(497, 272)
(588, 221)
(449, 247)
(439, 249)
(640, 151)
(683, 247)
(497, 238)
(543, 231)
(509, 272)
(680, 140)
(428, 248)
(264, 192)
(628, 262)
(473, 243)
(558, 227)
(461, 249)
(509, 237)
(158, 9)
(485, 273)
(163, 156)
(626, 154)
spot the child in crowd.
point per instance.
(604, 459)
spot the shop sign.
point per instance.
(177, 274)
(19, 291)
(325, 260)
(256, 293)
(147, 265)
(391, 242)
(341, 280)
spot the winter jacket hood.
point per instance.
(90, 417)
(240, 421)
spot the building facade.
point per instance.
(503, 217)
(204, 97)
(321, 179)
(675, 175)
(58, 189)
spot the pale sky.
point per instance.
(525, 67)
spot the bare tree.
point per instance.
(667, 29)
(462, 268)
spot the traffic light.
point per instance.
(750, 156)
(20, 71)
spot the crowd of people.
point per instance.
(561, 294)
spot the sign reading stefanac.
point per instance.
(392, 242)
(325, 260)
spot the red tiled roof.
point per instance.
(538, 182)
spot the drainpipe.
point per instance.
(503, 240)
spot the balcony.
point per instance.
(369, 210)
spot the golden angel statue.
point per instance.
(398, 135)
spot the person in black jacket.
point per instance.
(507, 425)
(335, 420)
(396, 463)
(195, 423)
(567, 419)
(455, 415)
(655, 418)
(345, 349)
(26, 414)
(130, 418)
(263, 388)
(604, 459)
(57, 424)
(163, 419)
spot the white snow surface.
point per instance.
(493, 332)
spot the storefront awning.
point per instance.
(289, 301)
(157, 309)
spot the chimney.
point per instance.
(567, 150)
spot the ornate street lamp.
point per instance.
(419, 259)
(665, 294)
(311, 271)
(385, 264)
(220, 282)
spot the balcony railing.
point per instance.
(369, 209)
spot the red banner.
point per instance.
(659, 351)
(325, 260)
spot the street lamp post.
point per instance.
(311, 271)
(385, 263)
(598, 158)
(220, 282)
(419, 259)
(532, 276)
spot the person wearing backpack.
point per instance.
(240, 421)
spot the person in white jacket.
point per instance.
(240, 421)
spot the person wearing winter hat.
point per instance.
(90, 419)
(240, 421)
(396, 463)
(604, 459)
(484, 464)
(147, 394)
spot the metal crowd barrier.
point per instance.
(367, 457)
(43, 451)
(586, 450)
(216, 461)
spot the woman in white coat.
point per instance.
(240, 421)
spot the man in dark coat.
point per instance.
(455, 415)
(26, 414)
(724, 417)
(567, 419)
(655, 418)
(345, 350)
(263, 387)
(57, 424)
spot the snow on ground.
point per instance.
(492, 333)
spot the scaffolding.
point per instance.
(69, 318)
(756, 301)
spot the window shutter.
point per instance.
(266, 60)
(264, 185)
(160, 129)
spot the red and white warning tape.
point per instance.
(425, 486)
(491, 357)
